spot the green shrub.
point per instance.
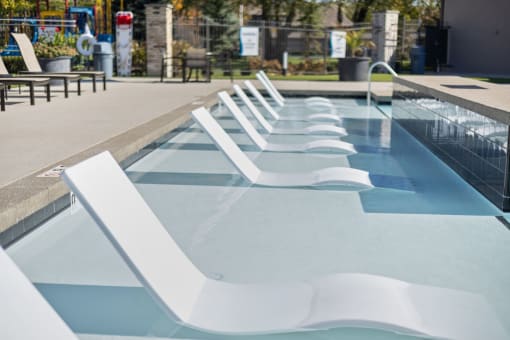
(139, 58)
(14, 64)
(57, 46)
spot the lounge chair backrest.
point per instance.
(261, 99)
(24, 313)
(196, 57)
(270, 83)
(270, 89)
(3, 69)
(223, 141)
(27, 52)
(126, 219)
(250, 130)
(253, 109)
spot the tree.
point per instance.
(361, 10)
(10, 8)
(223, 12)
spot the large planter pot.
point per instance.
(353, 68)
(56, 65)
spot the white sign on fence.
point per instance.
(338, 44)
(249, 43)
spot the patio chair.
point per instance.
(338, 176)
(6, 79)
(24, 313)
(319, 129)
(34, 68)
(338, 300)
(312, 117)
(197, 59)
(313, 102)
(262, 144)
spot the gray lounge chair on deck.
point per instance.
(33, 66)
(24, 313)
(6, 79)
(338, 300)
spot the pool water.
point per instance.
(422, 224)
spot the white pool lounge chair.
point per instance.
(24, 313)
(337, 176)
(312, 102)
(317, 129)
(262, 144)
(275, 115)
(194, 300)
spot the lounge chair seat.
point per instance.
(275, 115)
(194, 300)
(319, 129)
(34, 68)
(261, 143)
(24, 313)
(344, 177)
(31, 82)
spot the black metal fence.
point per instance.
(308, 48)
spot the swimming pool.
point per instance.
(422, 224)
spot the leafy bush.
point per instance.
(179, 48)
(309, 65)
(255, 63)
(356, 43)
(139, 57)
(272, 66)
(57, 46)
(14, 64)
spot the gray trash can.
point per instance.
(418, 60)
(103, 58)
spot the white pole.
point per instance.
(285, 62)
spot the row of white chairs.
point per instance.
(194, 300)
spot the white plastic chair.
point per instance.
(275, 115)
(337, 176)
(24, 313)
(318, 129)
(192, 299)
(263, 144)
(312, 102)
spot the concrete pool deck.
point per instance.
(130, 115)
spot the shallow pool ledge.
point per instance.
(463, 121)
(29, 201)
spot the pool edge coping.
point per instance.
(32, 200)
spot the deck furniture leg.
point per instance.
(66, 88)
(32, 94)
(162, 70)
(2, 99)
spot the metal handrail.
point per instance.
(379, 63)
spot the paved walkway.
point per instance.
(34, 137)
(133, 111)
